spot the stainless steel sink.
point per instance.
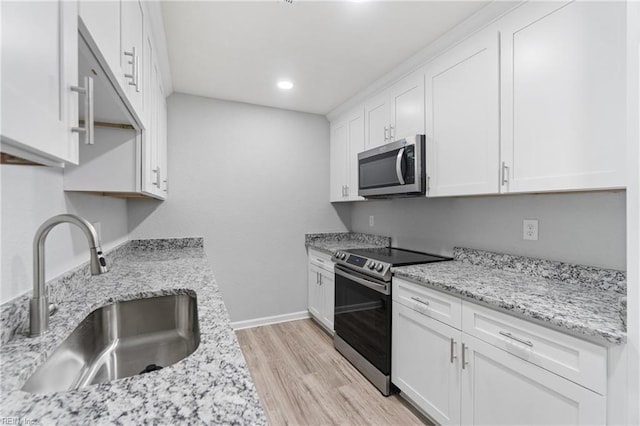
(121, 340)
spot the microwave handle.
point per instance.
(399, 166)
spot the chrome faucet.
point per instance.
(39, 307)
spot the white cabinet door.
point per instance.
(355, 137)
(338, 161)
(462, 115)
(563, 96)
(327, 289)
(315, 293)
(131, 56)
(376, 120)
(425, 364)
(39, 67)
(501, 389)
(102, 21)
(406, 101)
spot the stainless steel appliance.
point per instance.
(393, 170)
(362, 317)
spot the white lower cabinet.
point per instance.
(419, 351)
(456, 378)
(321, 286)
(502, 389)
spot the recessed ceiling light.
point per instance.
(285, 85)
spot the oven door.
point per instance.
(362, 316)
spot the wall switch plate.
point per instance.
(530, 229)
(371, 221)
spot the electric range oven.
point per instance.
(362, 316)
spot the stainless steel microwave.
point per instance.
(395, 169)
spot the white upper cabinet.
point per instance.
(376, 115)
(355, 137)
(347, 140)
(115, 29)
(39, 68)
(406, 101)
(131, 59)
(338, 156)
(396, 113)
(563, 96)
(102, 21)
(463, 118)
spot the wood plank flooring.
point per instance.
(303, 380)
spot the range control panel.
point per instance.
(380, 270)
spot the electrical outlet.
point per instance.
(530, 229)
(371, 221)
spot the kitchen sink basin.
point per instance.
(121, 340)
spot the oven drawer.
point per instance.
(433, 303)
(580, 361)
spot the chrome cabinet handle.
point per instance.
(464, 358)
(517, 339)
(428, 183)
(417, 299)
(386, 136)
(166, 185)
(505, 173)
(399, 166)
(453, 344)
(134, 62)
(346, 189)
(392, 133)
(87, 91)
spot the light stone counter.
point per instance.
(211, 386)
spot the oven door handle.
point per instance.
(380, 288)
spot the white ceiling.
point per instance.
(330, 50)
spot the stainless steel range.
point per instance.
(362, 318)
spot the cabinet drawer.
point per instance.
(580, 361)
(321, 260)
(435, 304)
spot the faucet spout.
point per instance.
(39, 306)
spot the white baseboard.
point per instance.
(239, 325)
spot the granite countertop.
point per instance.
(211, 386)
(330, 243)
(583, 301)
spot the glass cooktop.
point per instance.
(396, 256)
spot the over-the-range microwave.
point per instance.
(393, 170)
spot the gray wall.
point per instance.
(252, 181)
(31, 195)
(584, 228)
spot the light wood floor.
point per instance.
(303, 380)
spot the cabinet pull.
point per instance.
(428, 184)
(505, 173)
(135, 73)
(464, 357)
(386, 136)
(87, 91)
(157, 172)
(417, 299)
(346, 191)
(392, 133)
(166, 185)
(517, 339)
(453, 344)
